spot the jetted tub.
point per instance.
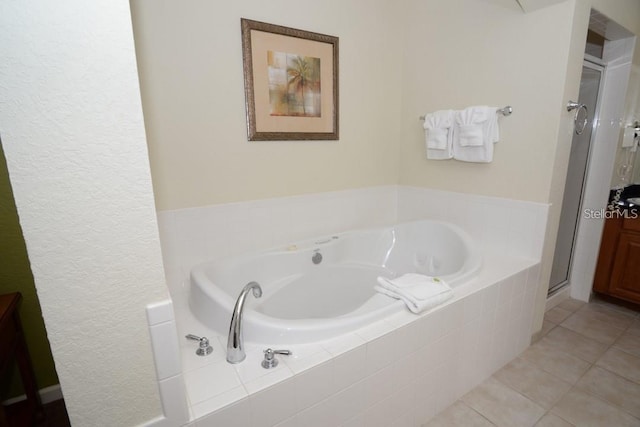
(321, 288)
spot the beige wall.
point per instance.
(485, 52)
(190, 63)
(624, 12)
(473, 52)
(396, 64)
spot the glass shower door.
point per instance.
(576, 175)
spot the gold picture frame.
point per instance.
(290, 83)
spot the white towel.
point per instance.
(419, 292)
(438, 134)
(475, 131)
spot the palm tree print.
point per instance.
(299, 76)
(294, 85)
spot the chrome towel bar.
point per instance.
(505, 111)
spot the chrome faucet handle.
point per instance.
(270, 360)
(204, 348)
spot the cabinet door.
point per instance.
(607, 255)
(625, 277)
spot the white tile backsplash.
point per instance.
(205, 407)
(348, 368)
(210, 381)
(347, 403)
(319, 415)
(381, 414)
(273, 376)
(160, 312)
(273, 405)
(166, 350)
(191, 361)
(499, 225)
(379, 385)
(357, 421)
(306, 356)
(314, 385)
(192, 236)
(174, 402)
(343, 344)
(250, 370)
(381, 352)
(235, 415)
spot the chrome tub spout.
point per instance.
(235, 343)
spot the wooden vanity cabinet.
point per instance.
(618, 268)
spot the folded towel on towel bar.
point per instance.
(438, 134)
(475, 132)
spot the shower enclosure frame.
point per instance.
(595, 64)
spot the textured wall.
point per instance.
(73, 136)
(15, 276)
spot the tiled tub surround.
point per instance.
(404, 368)
(498, 225)
(398, 371)
(168, 364)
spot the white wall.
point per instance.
(73, 135)
(190, 61)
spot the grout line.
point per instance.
(608, 402)
(559, 416)
(490, 422)
(622, 349)
(616, 374)
(592, 365)
(525, 396)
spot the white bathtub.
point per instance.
(307, 302)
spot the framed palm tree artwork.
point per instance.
(290, 82)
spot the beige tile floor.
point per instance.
(584, 370)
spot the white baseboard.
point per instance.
(156, 422)
(47, 394)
